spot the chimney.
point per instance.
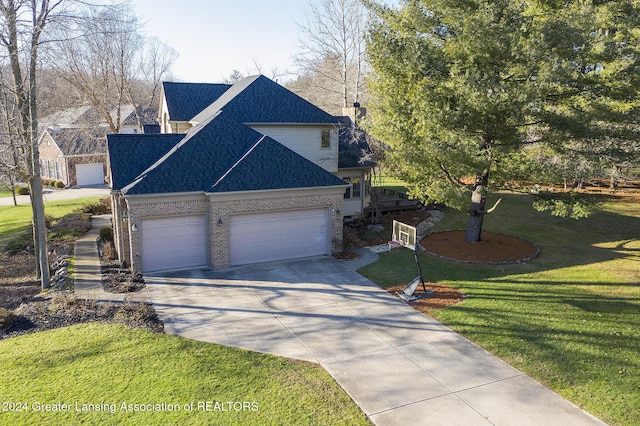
(355, 113)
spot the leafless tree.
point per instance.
(11, 145)
(155, 65)
(332, 52)
(22, 25)
(106, 59)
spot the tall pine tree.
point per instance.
(461, 87)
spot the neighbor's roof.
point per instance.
(80, 141)
(222, 155)
(258, 99)
(131, 154)
(148, 116)
(185, 100)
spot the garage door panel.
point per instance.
(264, 237)
(173, 243)
(89, 174)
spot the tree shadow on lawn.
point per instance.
(603, 237)
(570, 317)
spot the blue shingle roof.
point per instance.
(258, 99)
(223, 155)
(131, 154)
(185, 100)
(271, 165)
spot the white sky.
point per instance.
(214, 37)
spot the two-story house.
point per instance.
(343, 152)
(252, 180)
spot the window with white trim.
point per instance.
(354, 190)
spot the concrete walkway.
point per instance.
(88, 277)
(400, 366)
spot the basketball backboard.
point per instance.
(405, 234)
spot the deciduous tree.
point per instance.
(22, 25)
(332, 55)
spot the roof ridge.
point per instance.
(224, 99)
(225, 174)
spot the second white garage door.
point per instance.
(265, 237)
(173, 243)
(89, 174)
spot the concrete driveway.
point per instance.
(400, 366)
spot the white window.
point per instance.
(355, 187)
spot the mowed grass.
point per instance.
(187, 382)
(15, 221)
(389, 183)
(570, 318)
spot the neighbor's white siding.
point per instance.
(306, 141)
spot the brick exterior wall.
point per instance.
(216, 209)
(49, 152)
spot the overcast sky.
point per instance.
(214, 37)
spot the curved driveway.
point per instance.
(400, 366)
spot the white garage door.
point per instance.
(89, 174)
(173, 243)
(264, 237)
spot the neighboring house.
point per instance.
(251, 181)
(73, 147)
(77, 157)
(251, 101)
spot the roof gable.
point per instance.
(222, 155)
(258, 99)
(130, 155)
(185, 100)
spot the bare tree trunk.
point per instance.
(26, 102)
(613, 184)
(477, 209)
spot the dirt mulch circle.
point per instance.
(492, 249)
(441, 297)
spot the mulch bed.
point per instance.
(493, 248)
(61, 309)
(119, 280)
(441, 297)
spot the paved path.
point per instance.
(60, 194)
(88, 277)
(400, 366)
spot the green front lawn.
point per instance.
(15, 221)
(570, 318)
(110, 374)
